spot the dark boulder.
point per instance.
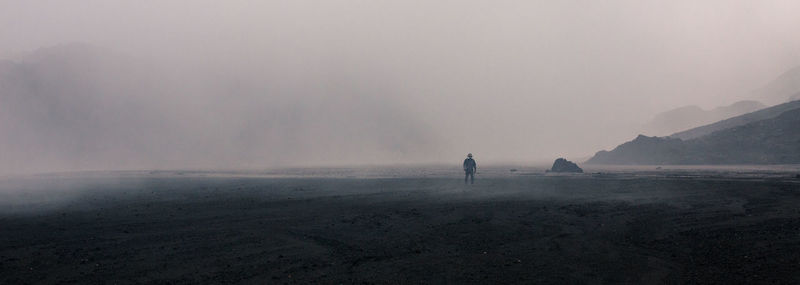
(563, 165)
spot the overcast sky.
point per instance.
(507, 80)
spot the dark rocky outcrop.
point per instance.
(644, 150)
(563, 165)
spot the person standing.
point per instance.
(469, 169)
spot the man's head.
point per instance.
(469, 155)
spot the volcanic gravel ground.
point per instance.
(516, 229)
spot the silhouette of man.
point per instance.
(469, 169)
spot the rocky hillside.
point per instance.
(770, 141)
(687, 117)
(741, 120)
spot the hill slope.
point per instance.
(763, 114)
(783, 88)
(692, 116)
(770, 141)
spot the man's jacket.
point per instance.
(469, 165)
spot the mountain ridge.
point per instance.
(785, 87)
(691, 116)
(762, 114)
(773, 140)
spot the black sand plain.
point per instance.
(634, 227)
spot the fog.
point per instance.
(87, 85)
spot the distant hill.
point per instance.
(763, 114)
(692, 116)
(770, 141)
(785, 87)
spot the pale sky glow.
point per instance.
(273, 83)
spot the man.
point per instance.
(469, 169)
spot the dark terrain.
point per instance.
(666, 227)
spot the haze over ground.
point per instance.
(239, 84)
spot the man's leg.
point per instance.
(472, 177)
(466, 175)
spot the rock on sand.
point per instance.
(563, 165)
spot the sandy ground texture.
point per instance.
(516, 228)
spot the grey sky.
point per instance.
(507, 80)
